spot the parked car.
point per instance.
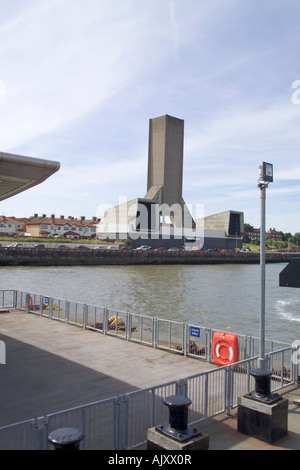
(144, 247)
(63, 246)
(15, 245)
(82, 247)
(39, 245)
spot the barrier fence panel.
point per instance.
(98, 422)
(57, 309)
(75, 313)
(117, 322)
(20, 300)
(170, 335)
(95, 317)
(198, 341)
(142, 328)
(284, 370)
(207, 392)
(239, 381)
(7, 299)
(19, 436)
(145, 409)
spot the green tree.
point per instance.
(286, 236)
(295, 239)
(247, 228)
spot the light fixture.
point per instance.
(266, 172)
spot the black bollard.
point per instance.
(66, 438)
(262, 381)
(178, 411)
(178, 419)
(262, 386)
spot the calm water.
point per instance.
(225, 297)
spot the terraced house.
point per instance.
(11, 226)
(70, 227)
(43, 226)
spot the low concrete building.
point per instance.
(223, 230)
(161, 217)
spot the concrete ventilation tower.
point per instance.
(161, 217)
(162, 213)
(165, 169)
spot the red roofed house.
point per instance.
(42, 226)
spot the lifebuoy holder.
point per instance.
(225, 348)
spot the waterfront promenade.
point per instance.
(51, 366)
(51, 256)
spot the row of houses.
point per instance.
(43, 226)
(271, 234)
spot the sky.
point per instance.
(80, 80)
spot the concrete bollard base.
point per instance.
(158, 441)
(266, 422)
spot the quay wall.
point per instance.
(74, 257)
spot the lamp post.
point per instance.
(266, 177)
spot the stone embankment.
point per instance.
(91, 257)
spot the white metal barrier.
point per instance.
(122, 422)
(187, 339)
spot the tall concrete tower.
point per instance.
(165, 169)
(165, 159)
(161, 215)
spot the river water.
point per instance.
(224, 297)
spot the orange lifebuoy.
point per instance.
(225, 348)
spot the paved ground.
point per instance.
(51, 366)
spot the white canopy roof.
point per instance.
(18, 173)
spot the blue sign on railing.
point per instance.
(46, 300)
(195, 332)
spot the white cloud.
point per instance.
(60, 60)
(83, 78)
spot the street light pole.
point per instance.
(261, 360)
(266, 176)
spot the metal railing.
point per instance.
(185, 338)
(122, 422)
(7, 298)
